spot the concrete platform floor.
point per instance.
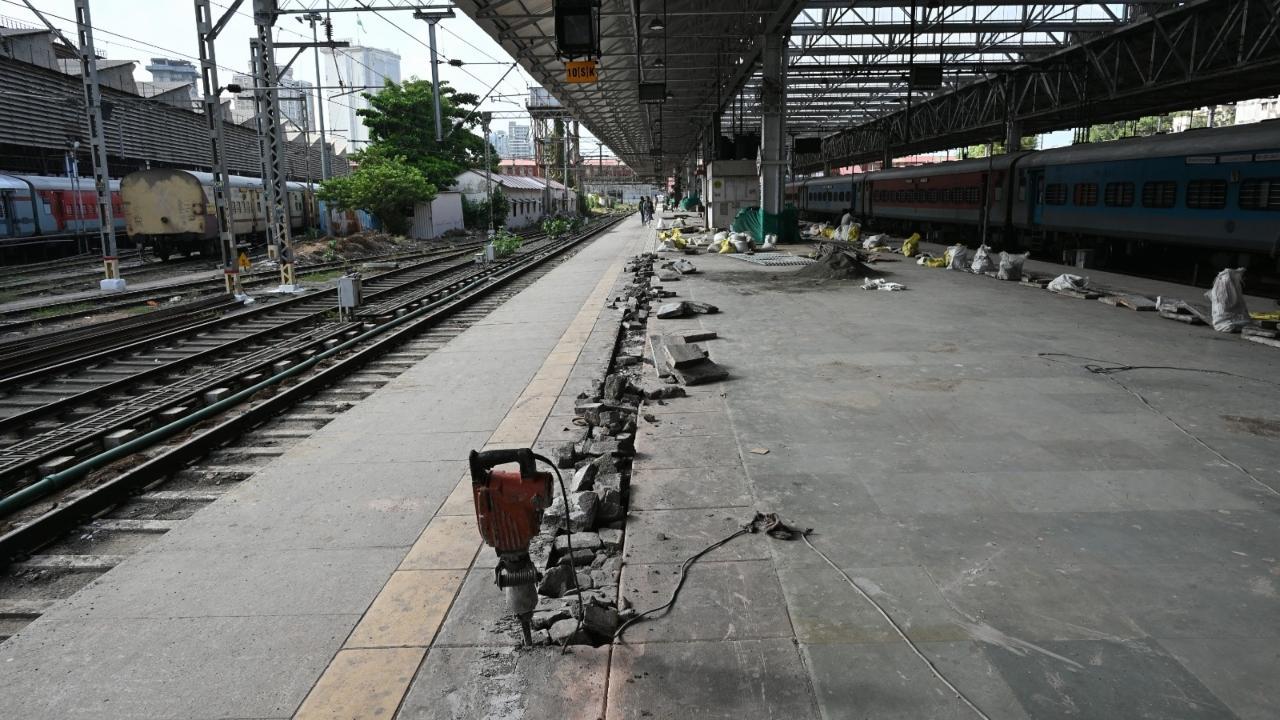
(1055, 546)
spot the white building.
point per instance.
(433, 219)
(356, 67)
(519, 141)
(1252, 111)
(498, 139)
(297, 101)
(168, 70)
(524, 195)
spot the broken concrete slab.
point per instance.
(673, 310)
(698, 336)
(579, 540)
(681, 355)
(701, 372)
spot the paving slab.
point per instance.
(1100, 678)
(670, 536)
(885, 680)
(704, 487)
(730, 679)
(143, 669)
(720, 601)
(496, 683)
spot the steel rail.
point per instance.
(8, 382)
(131, 298)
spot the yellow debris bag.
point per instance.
(1266, 316)
(828, 233)
(854, 232)
(911, 246)
(934, 262)
(726, 247)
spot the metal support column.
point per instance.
(577, 165)
(207, 31)
(266, 101)
(773, 126)
(433, 16)
(490, 230)
(98, 148)
(313, 18)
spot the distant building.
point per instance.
(498, 139)
(167, 70)
(519, 141)
(519, 167)
(1251, 111)
(524, 195)
(605, 169)
(296, 98)
(356, 68)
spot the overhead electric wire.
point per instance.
(153, 46)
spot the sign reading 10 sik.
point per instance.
(580, 71)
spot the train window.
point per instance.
(1055, 194)
(1207, 194)
(1260, 194)
(1159, 194)
(932, 196)
(1086, 194)
(1118, 194)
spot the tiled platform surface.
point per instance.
(1055, 547)
(317, 586)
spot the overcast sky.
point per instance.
(142, 29)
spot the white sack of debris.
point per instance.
(882, 284)
(1069, 283)
(1230, 313)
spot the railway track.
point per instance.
(63, 310)
(82, 277)
(116, 509)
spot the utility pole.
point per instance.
(266, 101)
(485, 118)
(208, 31)
(313, 18)
(432, 17)
(98, 145)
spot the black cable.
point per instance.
(568, 541)
(1112, 367)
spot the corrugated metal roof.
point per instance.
(515, 182)
(49, 109)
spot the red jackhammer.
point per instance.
(509, 509)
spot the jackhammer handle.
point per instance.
(483, 462)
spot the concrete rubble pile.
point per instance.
(578, 594)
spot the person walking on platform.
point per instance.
(646, 211)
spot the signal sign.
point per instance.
(580, 71)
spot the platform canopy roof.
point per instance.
(703, 50)
(850, 62)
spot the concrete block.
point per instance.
(216, 394)
(118, 438)
(56, 464)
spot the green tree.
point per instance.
(475, 214)
(401, 122)
(386, 187)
